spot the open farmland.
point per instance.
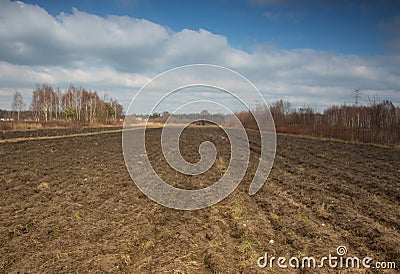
(69, 205)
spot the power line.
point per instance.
(357, 95)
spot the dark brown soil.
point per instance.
(8, 134)
(68, 205)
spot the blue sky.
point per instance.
(308, 52)
(341, 28)
(351, 27)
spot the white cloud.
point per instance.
(41, 39)
(120, 54)
(107, 77)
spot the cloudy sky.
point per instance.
(308, 52)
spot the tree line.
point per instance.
(74, 104)
(378, 122)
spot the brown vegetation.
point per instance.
(377, 123)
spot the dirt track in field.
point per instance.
(69, 205)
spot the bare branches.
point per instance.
(75, 104)
(18, 103)
(375, 123)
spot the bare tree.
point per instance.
(18, 103)
(75, 104)
(59, 104)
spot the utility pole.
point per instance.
(357, 95)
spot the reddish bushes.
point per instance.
(377, 123)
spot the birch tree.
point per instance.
(18, 103)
